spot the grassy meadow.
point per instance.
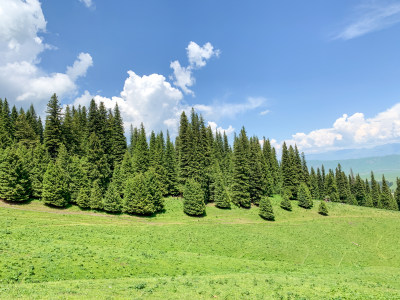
(48, 253)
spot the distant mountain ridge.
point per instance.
(384, 150)
(388, 165)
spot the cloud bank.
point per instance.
(352, 132)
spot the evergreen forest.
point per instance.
(80, 156)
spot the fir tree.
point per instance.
(266, 212)
(304, 197)
(221, 197)
(136, 196)
(285, 203)
(322, 209)
(153, 188)
(170, 168)
(84, 193)
(96, 196)
(141, 152)
(397, 193)
(15, 184)
(118, 140)
(330, 187)
(55, 190)
(6, 125)
(387, 200)
(53, 130)
(359, 190)
(314, 187)
(112, 201)
(375, 192)
(193, 199)
(257, 180)
(240, 177)
(40, 160)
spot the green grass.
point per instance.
(353, 253)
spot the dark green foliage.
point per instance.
(285, 203)
(342, 185)
(387, 200)
(112, 201)
(153, 187)
(170, 168)
(136, 196)
(193, 199)
(240, 177)
(375, 192)
(220, 194)
(314, 187)
(55, 190)
(38, 166)
(322, 209)
(397, 193)
(96, 196)
(53, 129)
(141, 152)
(99, 169)
(257, 174)
(266, 212)
(118, 140)
(304, 197)
(83, 199)
(7, 125)
(15, 184)
(330, 188)
(359, 190)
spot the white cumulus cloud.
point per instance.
(149, 99)
(21, 77)
(197, 57)
(354, 131)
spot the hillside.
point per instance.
(388, 165)
(229, 254)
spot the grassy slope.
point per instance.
(233, 254)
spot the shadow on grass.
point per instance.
(17, 202)
(69, 205)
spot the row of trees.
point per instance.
(81, 157)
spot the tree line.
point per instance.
(81, 156)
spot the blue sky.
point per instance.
(322, 74)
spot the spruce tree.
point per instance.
(331, 187)
(96, 196)
(55, 190)
(136, 196)
(193, 199)
(171, 168)
(84, 193)
(387, 200)
(285, 203)
(359, 190)
(118, 140)
(375, 192)
(240, 177)
(112, 201)
(266, 212)
(6, 125)
(322, 209)
(153, 186)
(257, 180)
(221, 197)
(314, 187)
(304, 197)
(40, 160)
(397, 192)
(53, 129)
(141, 152)
(15, 184)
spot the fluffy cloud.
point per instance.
(148, 99)
(20, 23)
(21, 78)
(215, 127)
(197, 57)
(353, 131)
